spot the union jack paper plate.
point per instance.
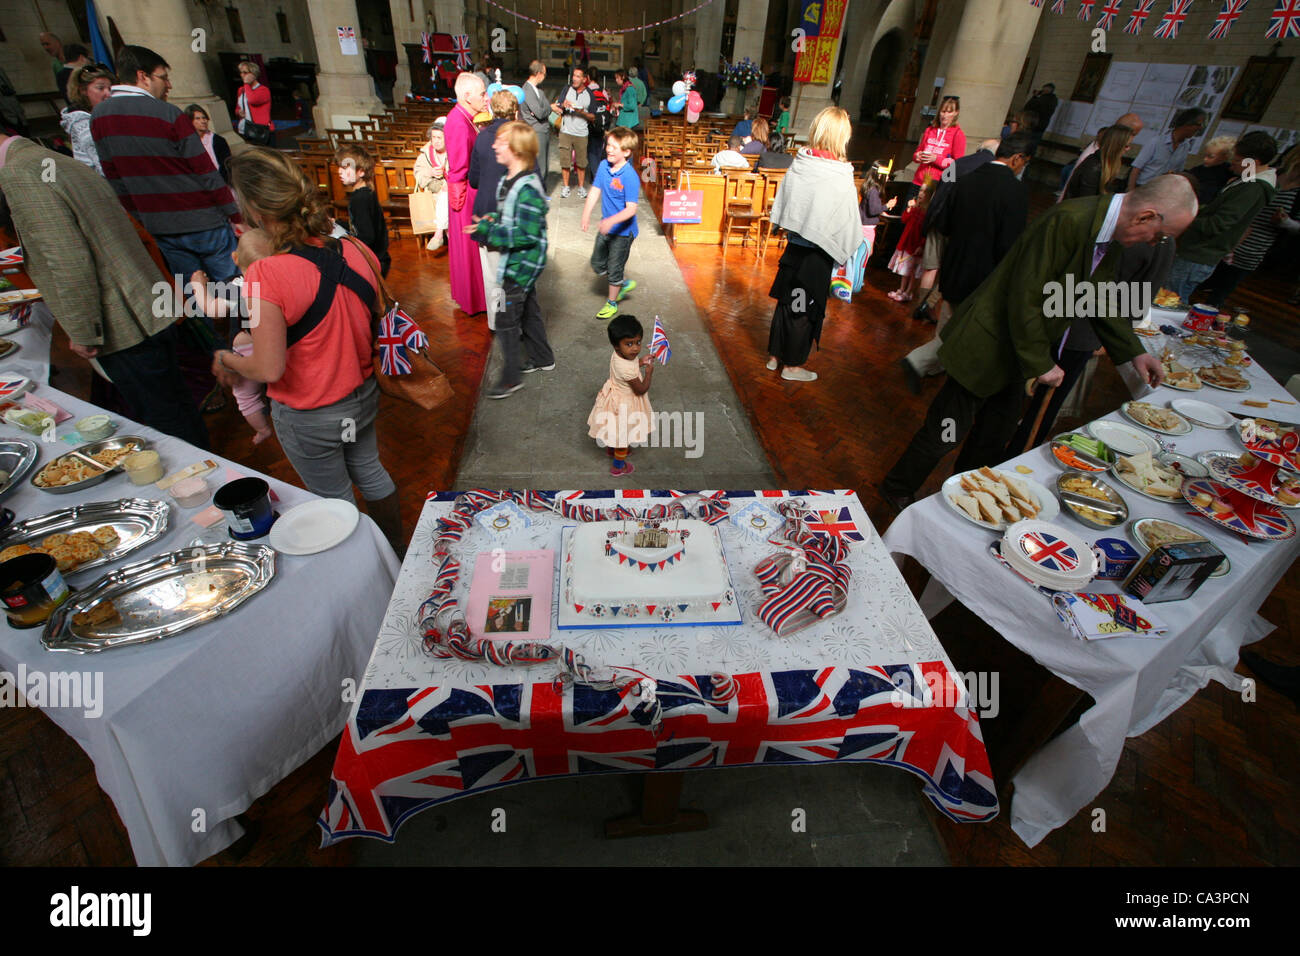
(1245, 515)
(1049, 555)
(11, 386)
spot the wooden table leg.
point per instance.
(659, 811)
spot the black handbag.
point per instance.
(256, 133)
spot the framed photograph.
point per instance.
(508, 615)
(1254, 90)
(1091, 76)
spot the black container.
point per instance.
(31, 587)
(246, 503)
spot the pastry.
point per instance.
(105, 612)
(107, 537)
(54, 540)
(64, 555)
(85, 537)
(16, 551)
(83, 550)
(1289, 494)
(1220, 507)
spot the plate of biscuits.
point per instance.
(996, 500)
(90, 535)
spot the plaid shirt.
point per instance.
(519, 231)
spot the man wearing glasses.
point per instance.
(162, 174)
(1167, 153)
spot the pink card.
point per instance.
(510, 595)
(46, 406)
(207, 517)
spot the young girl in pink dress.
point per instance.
(906, 260)
(622, 413)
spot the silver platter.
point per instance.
(1113, 505)
(17, 455)
(137, 521)
(163, 596)
(89, 449)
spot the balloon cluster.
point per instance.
(686, 98)
(516, 91)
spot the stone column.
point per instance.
(858, 33)
(751, 23)
(165, 26)
(708, 37)
(987, 51)
(448, 15)
(405, 30)
(346, 90)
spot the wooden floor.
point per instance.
(1213, 784)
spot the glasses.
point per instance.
(164, 77)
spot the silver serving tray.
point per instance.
(89, 449)
(137, 521)
(163, 596)
(17, 455)
(1113, 505)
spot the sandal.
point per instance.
(618, 472)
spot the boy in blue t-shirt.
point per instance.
(617, 188)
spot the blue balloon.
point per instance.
(493, 87)
(677, 104)
(518, 91)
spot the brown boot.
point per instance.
(387, 513)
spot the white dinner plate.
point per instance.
(1125, 439)
(1043, 499)
(1202, 413)
(314, 526)
(1183, 426)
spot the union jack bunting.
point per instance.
(1139, 17)
(1085, 9)
(1285, 21)
(1172, 21)
(1226, 17)
(460, 46)
(1108, 13)
(407, 749)
(397, 333)
(1058, 6)
(659, 344)
(426, 48)
(12, 257)
(834, 523)
(347, 33)
(1035, 3)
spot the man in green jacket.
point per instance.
(1004, 335)
(99, 281)
(1223, 221)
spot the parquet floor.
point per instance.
(1213, 784)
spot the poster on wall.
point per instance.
(1122, 82)
(821, 22)
(1161, 84)
(348, 41)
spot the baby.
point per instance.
(254, 244)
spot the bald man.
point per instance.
(52, 45)
(463, 264)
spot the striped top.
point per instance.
(158, 166)
(1259, 238)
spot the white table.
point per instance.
(213, 718)
(32, 357)
(1135, 682)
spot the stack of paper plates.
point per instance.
(1049, 555)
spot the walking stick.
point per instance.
(1042, 411)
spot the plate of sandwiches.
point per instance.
(1162, 420)
(1178, 375)
(996, 500)
(1148, 476)
(1225, 377)
(1150, 533)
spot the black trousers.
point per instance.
(521, 324)
(801, 288)
(1072, 362)
(957, 415)
(151, 383)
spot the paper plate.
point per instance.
(314, 526)
(1281, 452)
(1259, 482)
(1049, 554)
(1043, 499)
(1125, 439)
(1202, 413)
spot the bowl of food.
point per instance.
(88, 465)
(1090, 500)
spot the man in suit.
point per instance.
(535, 110)
(1001, 335)
(99, 281)
(982, 214)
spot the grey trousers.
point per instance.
(543, 151)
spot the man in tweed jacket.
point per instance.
(99, 281)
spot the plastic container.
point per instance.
(246, 503)
(190, 492)
(29, 420)
(95, 427)
(31, 587)
(143, 467)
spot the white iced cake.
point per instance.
(660, 570)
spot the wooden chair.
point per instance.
(742, 208)
(771, 183)
(398, 175)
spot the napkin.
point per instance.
(1093, 617)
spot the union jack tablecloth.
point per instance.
(425, 730)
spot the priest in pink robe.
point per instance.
(463, 262)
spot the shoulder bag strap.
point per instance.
(334, 271)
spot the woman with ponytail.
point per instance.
(312, 305)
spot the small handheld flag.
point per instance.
(397, 333)
(659, 348)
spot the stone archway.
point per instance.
(883, 72)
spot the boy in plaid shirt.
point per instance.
(518, 231)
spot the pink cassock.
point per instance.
(462, 251)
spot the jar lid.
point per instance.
(189, 486)
(140, 459)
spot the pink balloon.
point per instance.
(694, 102)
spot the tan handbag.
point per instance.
(425, 385)
(424, 212)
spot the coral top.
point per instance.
(947, 144)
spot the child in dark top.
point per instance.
(365, 218)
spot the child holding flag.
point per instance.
(518, 230)
(622, 413)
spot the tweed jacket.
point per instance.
(1001, 334)
(82, 250)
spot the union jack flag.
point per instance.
(460, 46)
(397, 333)
(1139, 17)
(11, 257)
(835, 523)
(1058, 6)
(405, 750)
(426, 48)
(22, 314)
(1172, 21)
(1035, 3)
(347, 33)
(1227, 17)
(659, 344)
(1049, 551)
(1085, 9)
(1285, 21)
(1108, 13)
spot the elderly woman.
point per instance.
(312, 328)
(431, 177)
(1215, 169)
(217, 148)
(88, 86)
(817, 205)
(253, 106)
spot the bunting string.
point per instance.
(563, 29)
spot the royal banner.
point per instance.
(822, 21)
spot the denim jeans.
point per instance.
(1185, 276)
(209, 250)
(609, 254)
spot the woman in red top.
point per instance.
(940, 145)
(253, 104)
(324, 397)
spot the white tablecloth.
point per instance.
(32, 357)
(213, 718)
(1282, 405)
(1135, 682)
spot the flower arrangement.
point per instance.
(743, 74)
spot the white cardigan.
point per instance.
(817, 200)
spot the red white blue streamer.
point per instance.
(563, 29)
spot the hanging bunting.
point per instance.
(1227, 17)
(1058, 6)
(1108, 13)
(1139, 17)
(1172, 21)
(1285, 21)
(1085, 9)
(563, 29)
